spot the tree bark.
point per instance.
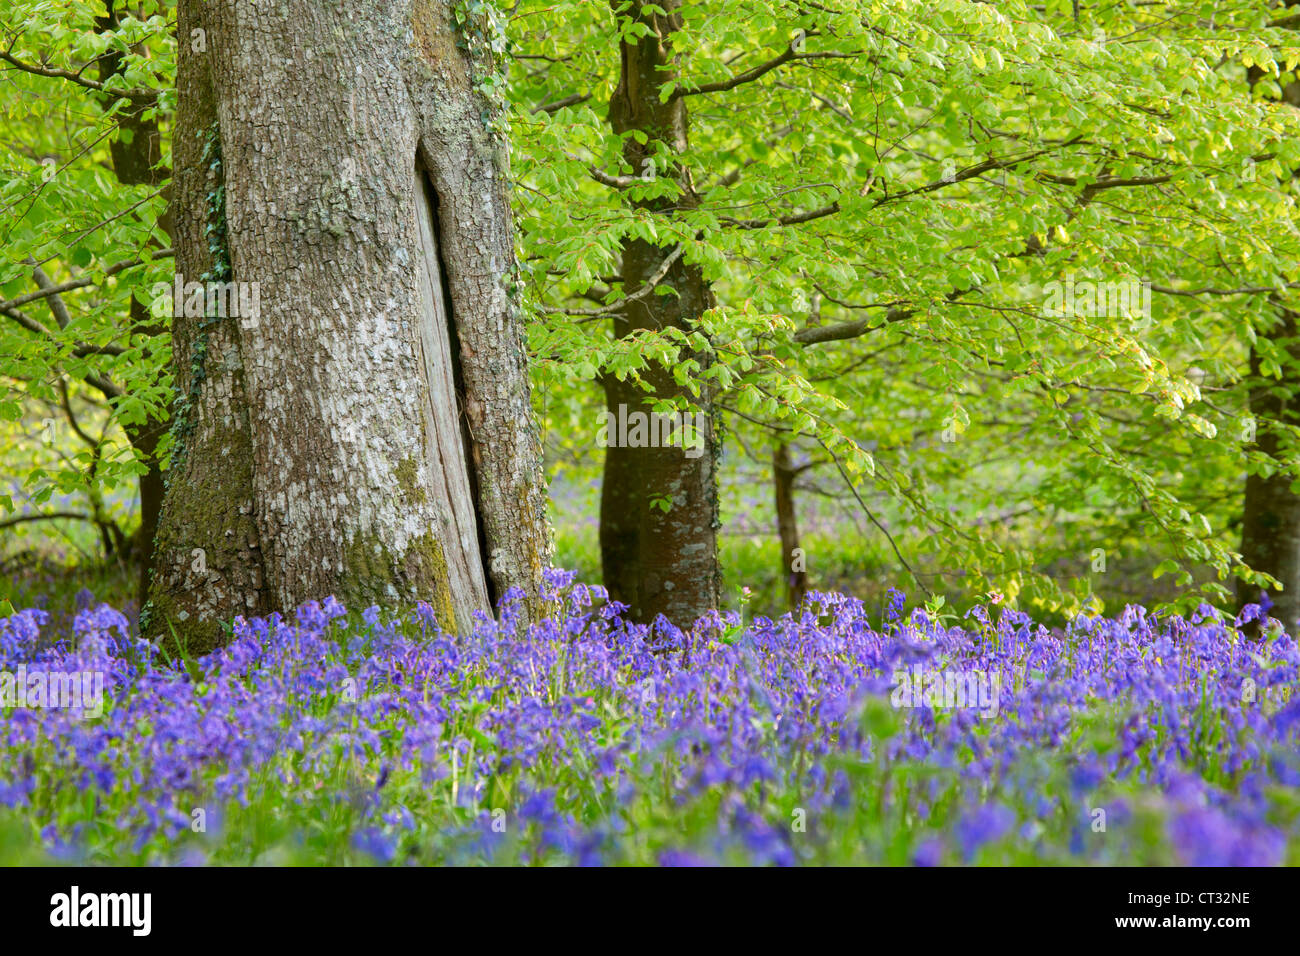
(137, 159)
(1270, 522)
(368, 433)
(144, 440)
(654, 561)
(793, 563)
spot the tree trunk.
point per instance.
(137, 158)
(144, 440)
(1270, 521)
(367, 432)
(1270, 524)
(794, 567)
(656, 561)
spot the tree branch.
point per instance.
(555, 107)
(72, 284)
(1214, 290)
(793, 219)
(48, 516)
(146, 97)
(640, 293)
(789, 56)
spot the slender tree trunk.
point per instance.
(136, 153)
(656, 561)
(368, 432)
(794, 567)
(144, 439)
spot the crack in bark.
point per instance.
(468, 442)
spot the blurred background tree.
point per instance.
(88, 93)
(884, 199)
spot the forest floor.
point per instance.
(824, 737)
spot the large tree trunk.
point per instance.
(369, 433)
(656, 561)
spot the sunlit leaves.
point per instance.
(898, 103)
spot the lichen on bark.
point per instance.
(323, 432)
(374, 575)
